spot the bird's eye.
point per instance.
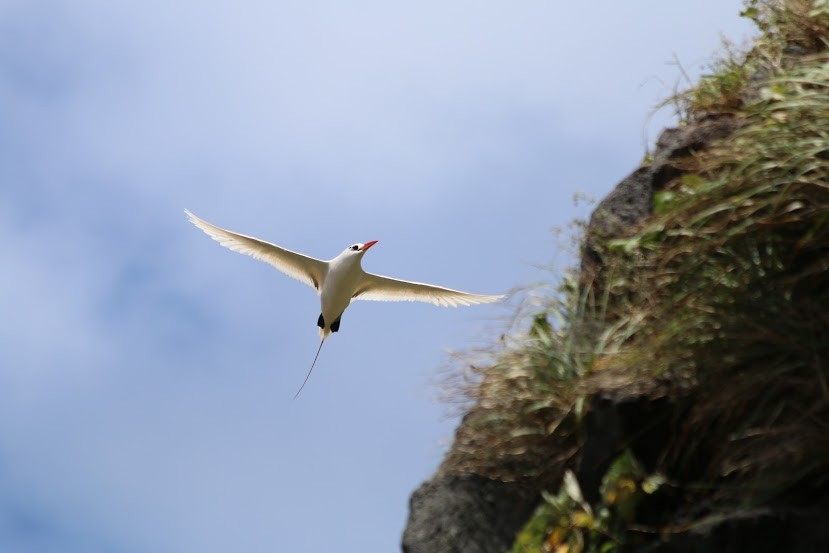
(355, 247)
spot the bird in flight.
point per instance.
(339, 280)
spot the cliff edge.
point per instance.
(674, 395)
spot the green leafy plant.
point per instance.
(566, 523)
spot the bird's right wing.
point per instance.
(308, 270)
(381, 288)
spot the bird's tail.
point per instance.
(323, 336)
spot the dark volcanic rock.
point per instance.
(632, 199)
(466, 514)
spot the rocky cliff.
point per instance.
(673, 396)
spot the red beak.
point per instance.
(367, 245)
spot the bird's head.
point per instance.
(359, 249)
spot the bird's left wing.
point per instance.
(380, 288)
(308, 270)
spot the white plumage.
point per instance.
(338, 280)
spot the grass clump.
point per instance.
(788, 29)
(525, 403)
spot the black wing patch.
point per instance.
(335, 326)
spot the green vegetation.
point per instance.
(565, 522)
(788, 29)
(719, 297)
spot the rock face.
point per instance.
(632, 199)
(466, 514)
(470, 514)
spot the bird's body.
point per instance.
(338, 280)
(339, 284)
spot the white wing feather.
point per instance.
(308, 270)
(380, 288)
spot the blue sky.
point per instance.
(146, 374)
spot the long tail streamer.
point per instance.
(322, 341)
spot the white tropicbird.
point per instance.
(339, 280)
